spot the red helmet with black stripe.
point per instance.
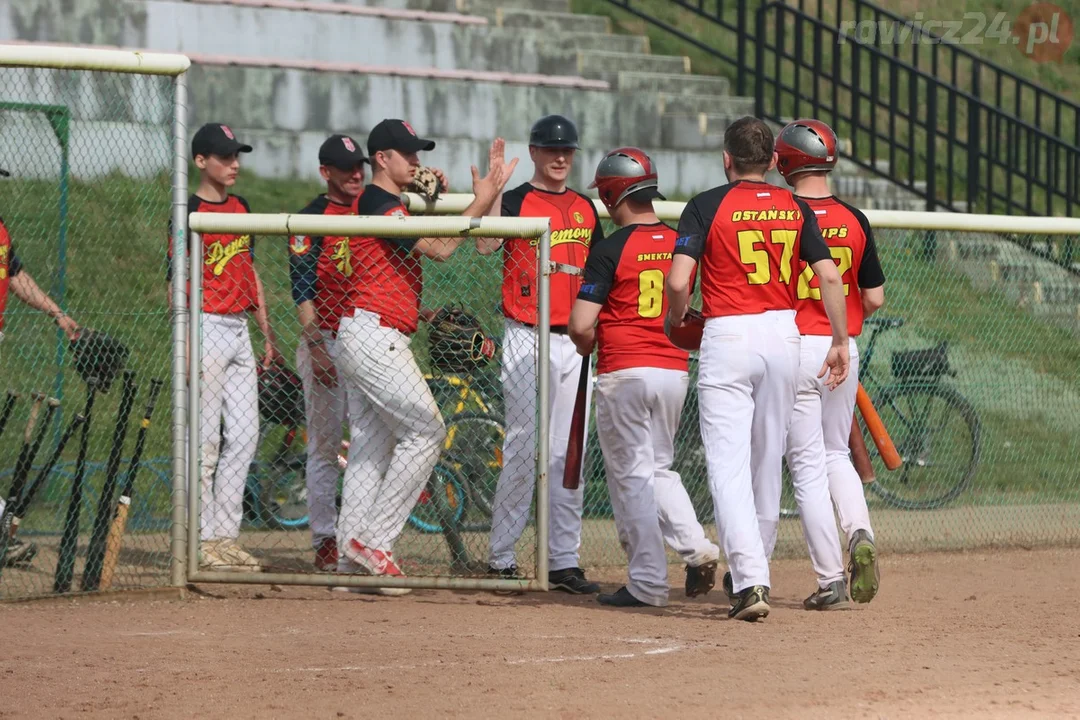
(624, 172)
(805, 146)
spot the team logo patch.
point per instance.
(764, 194)
(228, 133)
(300, 245)
(578, 218)
(398, 213)
(409, 128)
(348, 144)
(821, 212)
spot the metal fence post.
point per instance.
(194, 448)
(543, 388)
(181, 315)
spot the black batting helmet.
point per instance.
(553, 131)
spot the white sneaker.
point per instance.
(348, 567)
(237, 555)
(226, 555)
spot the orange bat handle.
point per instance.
(877, 430)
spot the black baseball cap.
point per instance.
(396, 135)
(216, 139)
(342, 152)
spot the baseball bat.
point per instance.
(575, 446)
(9, 405)
(69, 540)
(22, 471)
(95, 550)
(860, 456)
(119, 523)
(22, 466)
(877, 430)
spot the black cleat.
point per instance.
(752, 604)
(572, 580)
(700, 579)
(833, 597)
(729, 589)
(620, 598)
(510, 573)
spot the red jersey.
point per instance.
(749, 237)
(851, 244)
(9, 268)
(625, 273)
(228, 282)
(386, 277)
(321, 268)
(574, 226)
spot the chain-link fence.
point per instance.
(85, 473)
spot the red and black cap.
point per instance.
(342, 152)
(216, 139)
(397, 135)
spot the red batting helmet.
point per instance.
(623, 172)
(805, 146)
(688, 335)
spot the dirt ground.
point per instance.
(993, 634)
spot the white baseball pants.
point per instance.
(834, 412)
(637, 415)
(324, 408)
(396, 432)
(229, 412)
(746, 389)
(514, 492)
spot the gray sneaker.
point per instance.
(863, 567)
(833, 597)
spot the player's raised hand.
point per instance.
(837, 364)
(499, 172)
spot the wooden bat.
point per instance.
(575, 446)
(69, 541)
(884, 443)
(119, 523)
(95, 550)
(9, 405)
(31, 445)
(860, 456)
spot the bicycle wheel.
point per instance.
(444, 486)
(474, 446)
(276, 493)
(937, 433)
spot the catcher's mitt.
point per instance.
(426, 183)
(457, 343)
(281, 396)
(98, 356)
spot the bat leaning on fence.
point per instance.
(119, 523)
(95, 550)
(30, 447)
(575, 446)
(69, 541)
(9, 406)
(876, 427)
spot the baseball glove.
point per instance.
(457, 343)
(98, 356)
(281, 396)
(426, 183)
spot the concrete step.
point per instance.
(553, 22)
(721, 105)
(647, 82)
(591, 41)
(693, 131)
(489, 8)
(606, 65)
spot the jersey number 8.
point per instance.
(650, 293)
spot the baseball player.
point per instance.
(230, 413)
(748, 235)
(14, 277)
(817, 451)
(574, 226)
(390, 404)
(319, 271)
(641, 384)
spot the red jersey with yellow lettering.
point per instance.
(625, 273)
(851, 244)
(749, 237)
(385, 277)
(9, 268)
(574, 226)
(321, 269)
(228, 283)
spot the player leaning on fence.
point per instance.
(390, 405)
(229, 422)
(15, 278)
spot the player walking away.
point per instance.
(319, 291)
(14, 277)
(229, 398)
(574, 225)
(390, 405)
(748, 235)
(820, 427)
(641, 385)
